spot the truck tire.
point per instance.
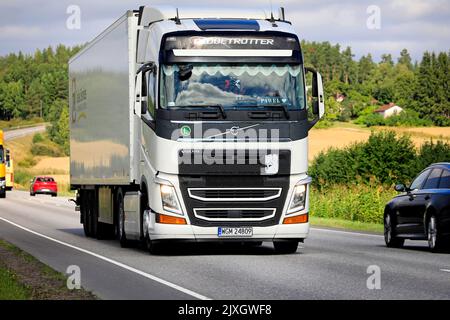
(3, 195)
(93, 213)
(124, 242)
(85, 213)
(286, 247)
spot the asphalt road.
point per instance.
(18, 133)
(329, 265)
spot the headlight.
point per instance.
(298, 199)
(169, 199)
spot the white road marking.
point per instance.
(348, 232)
(445, 270)
(119, 264)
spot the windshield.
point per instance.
(231, 86)
(1, 154)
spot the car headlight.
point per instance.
(169, 199)
(298, 198)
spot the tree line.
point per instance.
(36, 85)
(420, 87)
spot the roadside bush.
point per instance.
(28, 162)
(46, 149)
(431, 152)
(384, 158)
(408, 118)
(22, 177)
(363, 203)
(370, 120)
(38, 138)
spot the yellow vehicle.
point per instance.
(9, 163)
(2, 168)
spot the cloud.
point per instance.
(15, 32)
(416, 24)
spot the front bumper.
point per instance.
(160, 231)
(46, 191)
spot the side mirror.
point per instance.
(318, 107)
(400, 187)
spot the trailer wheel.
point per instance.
(121, 221)
(93, 213)
(85, 213)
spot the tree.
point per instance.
(387, 59)
(405, 59)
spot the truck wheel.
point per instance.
(3, 195)
(93, 213)
(121, 221)
(153, 247)
(286, 247)
(85, 212)
(389, 238)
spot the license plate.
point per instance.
(229, 232)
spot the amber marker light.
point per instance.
(165, 219)
(297, 219)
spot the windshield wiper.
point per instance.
(277, 106)
(217, 106)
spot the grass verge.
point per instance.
(22, 277)
(346, 224)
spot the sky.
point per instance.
(367, 26)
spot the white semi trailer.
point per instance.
(192, 125)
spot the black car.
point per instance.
(421, 211)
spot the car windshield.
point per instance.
(232, 86)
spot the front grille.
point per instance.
(235, 214)
(223, 201)
(234, 194)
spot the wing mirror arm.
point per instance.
(318, 104)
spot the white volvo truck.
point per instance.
(192, 125)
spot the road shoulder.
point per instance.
(29, 278)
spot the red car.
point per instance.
(43, 185)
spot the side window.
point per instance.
(418, 182)
(151, 93)
(445, 180)
(433, 179)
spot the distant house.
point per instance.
(339, 97)
(389, 110)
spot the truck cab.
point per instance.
(219, 123)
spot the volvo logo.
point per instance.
(234, 131)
